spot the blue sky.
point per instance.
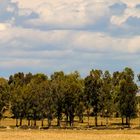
(53, 35)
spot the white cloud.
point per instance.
(30, 42)
(3, 26)
(130, 11)
(65, 13)
(131, 3)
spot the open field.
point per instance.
(113, 133)
(112, 122)
(69, 135)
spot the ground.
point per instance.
(69, 134)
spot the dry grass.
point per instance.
(61, 134)
(70, 135)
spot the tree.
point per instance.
(72, 97)
(57, 89)
(4, 96)
(16, 83)
(93, 84)
(106, 100)
(36, 96)
(127, 95)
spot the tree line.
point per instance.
(66, 96)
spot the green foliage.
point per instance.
(64, 96)
(4, 96)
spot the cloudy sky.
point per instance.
(52, 35)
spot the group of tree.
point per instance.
(66, 96)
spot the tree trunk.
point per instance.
(49, 122)
(67, 119)
(106, 121)
(96, 121)
(122, 121)
(88, 116)
(126, 120)
(81, 118)
(29, 122)
(16, 122)
(42, 122)
(20, 122)
(71, 120)
(58, 121)
(34, 122)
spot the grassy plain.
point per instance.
(69, 135)
(113, 133)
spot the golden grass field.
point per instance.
(69, 135)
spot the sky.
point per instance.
(53, 35)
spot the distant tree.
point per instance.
(57, 89)
(116, 77)
(127, 95)
(16, 83)
(72, 97)
(93, 84)
(106, 99)
(36, 95)
(4, 96)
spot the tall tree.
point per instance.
(4, 96)
(16, 83)
(57, 89)
(36, 93)
(93, 84)
(106, 100)
(72, 101)
(127, 95)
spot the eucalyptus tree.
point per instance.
(93, 84)
(105, 98)
(36, 95)
(57, 84)
(127, 95)
(4, 96)
(17, 83)
(73, 103)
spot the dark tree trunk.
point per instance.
(67, 119)
(122, 121)
(35, 122)
(106, 121)
(96, 121)
(42, 122)
(16, 122)
(29, 122)
(88, 112)
(81, 118)
(71, 121)
(20, 122)
(58, 121)
(49, 122)
(128, 121)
